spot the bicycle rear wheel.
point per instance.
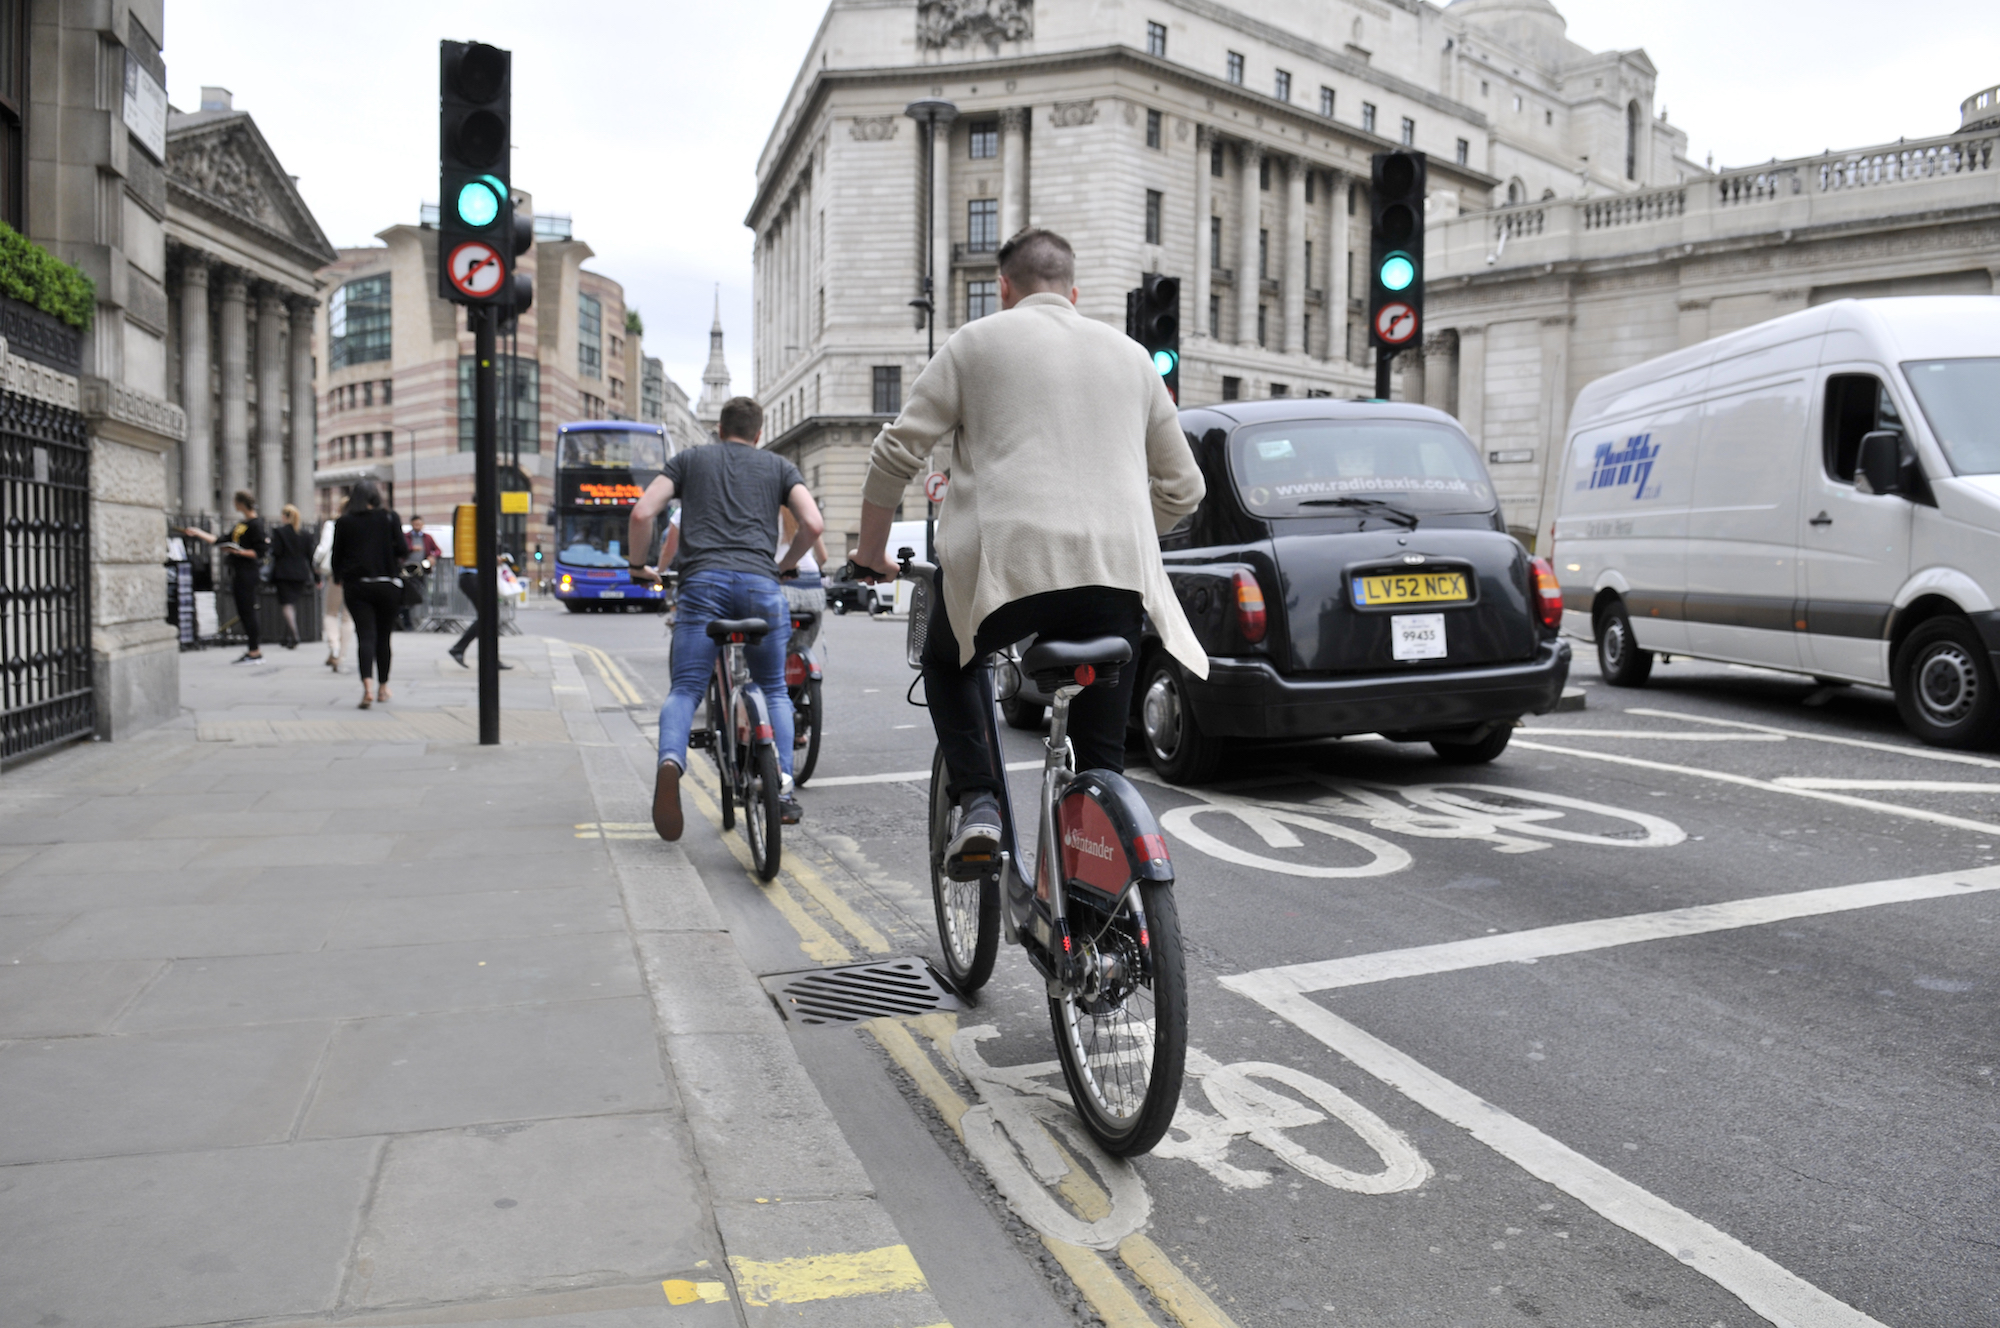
(762, 817)
(724, 736)
(968, 912)
(1122, 1037)
(815, 722)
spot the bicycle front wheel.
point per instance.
(968, 912)
(763, 823)
(1122, 1036)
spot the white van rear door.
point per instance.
(1855, 546)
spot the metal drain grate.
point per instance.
(848, 995)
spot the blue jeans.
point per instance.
(705, 597)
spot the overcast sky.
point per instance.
(643, 118)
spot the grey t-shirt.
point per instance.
(730, 494)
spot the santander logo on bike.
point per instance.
(1096, 848)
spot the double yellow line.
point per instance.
(623, 690)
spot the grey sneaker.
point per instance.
(978, 828)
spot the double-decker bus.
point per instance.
(601, 469)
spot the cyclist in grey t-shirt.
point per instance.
(730, 497)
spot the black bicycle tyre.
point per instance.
(815, 717)
(722, 734)
(967, 966)
(763, 825)
(1141, 1129)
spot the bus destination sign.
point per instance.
(599, 491)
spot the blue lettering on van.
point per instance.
(1616, 465)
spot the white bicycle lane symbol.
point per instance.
(1013, 1133)
(1524, 823)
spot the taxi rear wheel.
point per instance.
(1175, 744)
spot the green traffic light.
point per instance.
(1164, 362)
(479, 202)
(1398, 272)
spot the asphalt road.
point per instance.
(1778, 1106)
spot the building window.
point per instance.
(1352, 190)
(1263, 320)
(1368, 116)
(1309, 185)
(1215, 241)
(1215, 160)
(517, 383)
(589, 337)
(982, 225)
(1232, 389)
(983, 138)
(1282, 86)
(1308, 334)
(1326, 102)
(1264, 173)
(1309, 262)
(1235, 66)
(1152, 129)
(1215, 316)
(981, 298)
(1464, 153)
(388, 392)
(1548, 117)
(888, 389)
(1152, 216)
(1156, 40)
(357, 321)
(1409, 135)
(368, 394)
(1263, 255)
(1281, 389)
(1632, 140)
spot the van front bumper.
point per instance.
(1247, 698)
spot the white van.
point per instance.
(1818, 493)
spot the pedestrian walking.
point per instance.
(244, 549)
(336, 621)
(468, 585)
(291, 570)
(368, 554)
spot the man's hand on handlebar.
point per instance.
(645, 576)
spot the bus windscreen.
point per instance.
(640, 450)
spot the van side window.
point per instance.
(1856, 406)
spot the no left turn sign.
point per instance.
(1396, 324)
(475, 269)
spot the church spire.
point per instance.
(714, 378)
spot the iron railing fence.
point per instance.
(45, 660)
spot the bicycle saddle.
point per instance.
(1104, 653)
(750, 629)
(804, 617)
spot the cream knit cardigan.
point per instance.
(1068, 462)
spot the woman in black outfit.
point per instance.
(368, 553)
(291, 570)
(246, 546)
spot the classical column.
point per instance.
(1013, 171)
(1411, 363)
(304, 408)
(1440, 365)
(1249, 287)
(1204, 255)
(1295, 256)
(235, 337)
(1472, 381)
(272, 492)
(198, 451)
(1336, 266)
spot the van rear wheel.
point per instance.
(1945, 685)
(1619, 657)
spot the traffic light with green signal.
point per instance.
(1153, 319)
(478, 238)
(1396, 255)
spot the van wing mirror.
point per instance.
(1879, 467)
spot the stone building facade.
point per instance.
(1188, 137)
(395, 385)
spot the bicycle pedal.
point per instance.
(702, 740)
(969, 866)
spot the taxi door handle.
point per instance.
(1821, 520)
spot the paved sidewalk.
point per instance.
(311, 1014)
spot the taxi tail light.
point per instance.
(1250, 619)
(795, 671)
(1548, 594)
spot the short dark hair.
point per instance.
(741, 418)
(1038, 260)
(415, 519)
(244, 498)
(363, 496)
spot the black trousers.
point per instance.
(468, 585)
(960, 700)
(374, 605)
(244, 584)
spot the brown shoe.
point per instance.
(667, 801)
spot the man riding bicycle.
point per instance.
(731, 494)
(1068, 463)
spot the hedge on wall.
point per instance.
(36, 277)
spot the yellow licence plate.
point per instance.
(1410, 588)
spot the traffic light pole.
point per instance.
(1382, 357)
(486, 502)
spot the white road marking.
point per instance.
(1900, 749)
(1772, 786)
(1643, 733)
(1576, 937)
(1889, 785)
(901, 776)
(1766, 1287)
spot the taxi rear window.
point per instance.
(1307, 467)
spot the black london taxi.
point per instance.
(1348, 572)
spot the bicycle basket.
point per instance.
(920, 620)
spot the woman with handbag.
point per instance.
(291, 570)
(245, 548)
(368, 554)
(336, 622)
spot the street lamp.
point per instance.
(933, 113)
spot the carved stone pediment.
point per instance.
(872, 128)
(223, 165)
(1069, 114)
(959, 23)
